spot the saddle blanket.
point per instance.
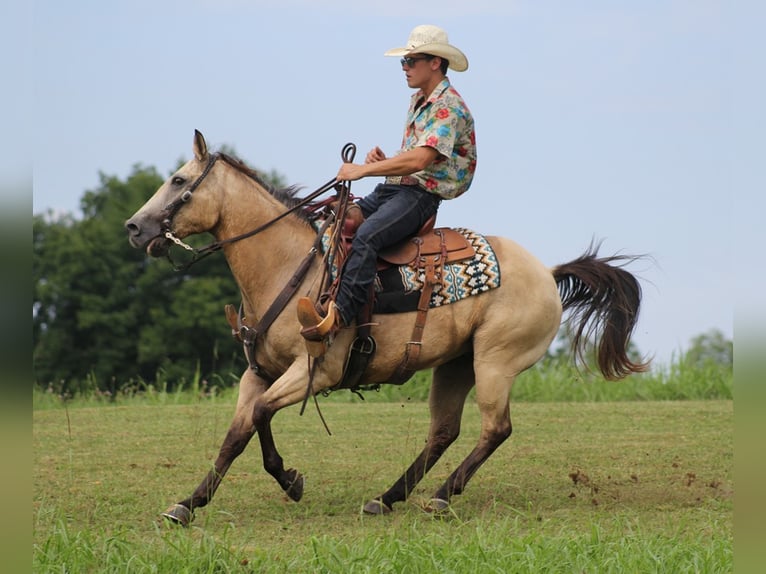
(397, 288)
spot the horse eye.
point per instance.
(177, 180)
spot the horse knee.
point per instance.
(234, 443)
(445, 436)
(503, 432)
(497, 435)
(262, 415)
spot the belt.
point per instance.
(403, 180)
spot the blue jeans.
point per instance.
(393, 213)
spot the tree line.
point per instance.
(105, 315)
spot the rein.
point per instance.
(202, 252)
(347, 153)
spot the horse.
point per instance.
(483, 341)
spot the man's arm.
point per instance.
(405, 163)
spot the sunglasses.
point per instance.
(411, 60)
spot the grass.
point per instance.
(410, 549)
(545, 382)
(618, 486)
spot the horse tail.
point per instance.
(604, 300)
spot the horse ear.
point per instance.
(200, 147)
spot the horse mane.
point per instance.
(285, 195)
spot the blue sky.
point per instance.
(594, 119)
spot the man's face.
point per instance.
(419, 69)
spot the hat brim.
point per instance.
(457, 60)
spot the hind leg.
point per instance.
(504, 344)
(493, 386)
(450, 386)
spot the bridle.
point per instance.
(171, 209)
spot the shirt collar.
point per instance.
(440, 88)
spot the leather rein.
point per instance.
(174, 206)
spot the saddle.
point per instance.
(439, 245)
(428, 251)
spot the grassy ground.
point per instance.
(545, 382)
(642, 486)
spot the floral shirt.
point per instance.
(444, 123)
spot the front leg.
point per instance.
(239, 434)
(290, 480)
(288, 390)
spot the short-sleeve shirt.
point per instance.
(443, 122)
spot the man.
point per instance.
(436, 161)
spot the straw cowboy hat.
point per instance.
(427, 39)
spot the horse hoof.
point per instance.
(438, 507)
(376, 507)
(295, 488)
(178, 514)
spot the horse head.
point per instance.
(184, 205)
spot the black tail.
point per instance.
(604, 300)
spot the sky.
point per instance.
(611, 121)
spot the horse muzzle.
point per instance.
(153, 241)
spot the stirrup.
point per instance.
(317, 331)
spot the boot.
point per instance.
(353, 220)
(318, 326)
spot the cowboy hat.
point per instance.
(427, 39)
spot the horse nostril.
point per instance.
(132, 228)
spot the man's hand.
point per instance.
(376, 163)
(375, 154)
(353, 172)
(350, 172)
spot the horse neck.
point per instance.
(264, 263)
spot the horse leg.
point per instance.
(492, 396)
(290, 480)
(239, 434)
(288, 390)
(450, 386)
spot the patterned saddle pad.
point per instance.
(397, 288)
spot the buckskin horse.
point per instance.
(483, 341)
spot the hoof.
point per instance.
(295, 489)
(438, 507)
(376, 507)
(178, 514)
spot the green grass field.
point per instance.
(581, 486)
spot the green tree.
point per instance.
(83, 315)
(105, 315)
(711, 347)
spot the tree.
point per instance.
(711, 347)
(104, 314)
